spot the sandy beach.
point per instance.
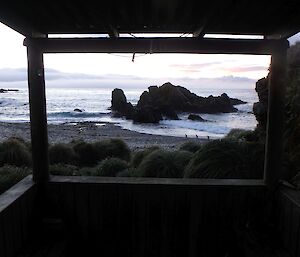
(90, 131)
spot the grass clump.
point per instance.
(61, 153)
(190, 146)
(10, 175)
(114, 147)
(111, 167)
(139, 156)
(164, 164)
(15, 152)
(217, 159)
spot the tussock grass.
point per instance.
(164, 164)
(111, 167)
(242, 134)
(114, 147)
(190, 146)
(139, 156)
(62, 153)
(227, 159)
(217, 159)
(15, 152)
(87, 154)
(130, 172)
(63, 170)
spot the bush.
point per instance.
(218, 159)
(111, 167)
(190, 146)
(63, 170)
(87, 154)
(10, 175)
(14, 152)
(164, 164)
(112, 148)
(61, 153)
(139, 156)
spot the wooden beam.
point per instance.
(38, 116)
(275, 121)
(157, 45)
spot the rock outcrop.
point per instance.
(260, 109)
(167, 101)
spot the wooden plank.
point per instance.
(2, 237)
(7, 223)
(16, 225)
(38, 115)
(295, 231)
(158, 45)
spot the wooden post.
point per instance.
(38, 116)
(275, 123)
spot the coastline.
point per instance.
(93, 131)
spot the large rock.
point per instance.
(119, 104)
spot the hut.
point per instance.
(67, 216)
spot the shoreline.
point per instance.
(93, 131)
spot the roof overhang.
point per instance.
(32, 18)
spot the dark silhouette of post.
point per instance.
(275, 123)
(38, 116)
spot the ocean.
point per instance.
(95, 103)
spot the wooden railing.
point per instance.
(16, 209)
(147, 217)
(154, 217)
(288, 219)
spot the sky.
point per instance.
(118, 70)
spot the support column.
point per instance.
(275, 123)
(38, 115)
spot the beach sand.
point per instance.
(91, 131)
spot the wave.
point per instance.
(210, 127)
(74, 114)
(10, 102)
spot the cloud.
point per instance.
(194, 68)
(13, 75)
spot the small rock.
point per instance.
(196, 117)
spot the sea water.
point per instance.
(95, 103)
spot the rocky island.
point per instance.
(167, 101)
